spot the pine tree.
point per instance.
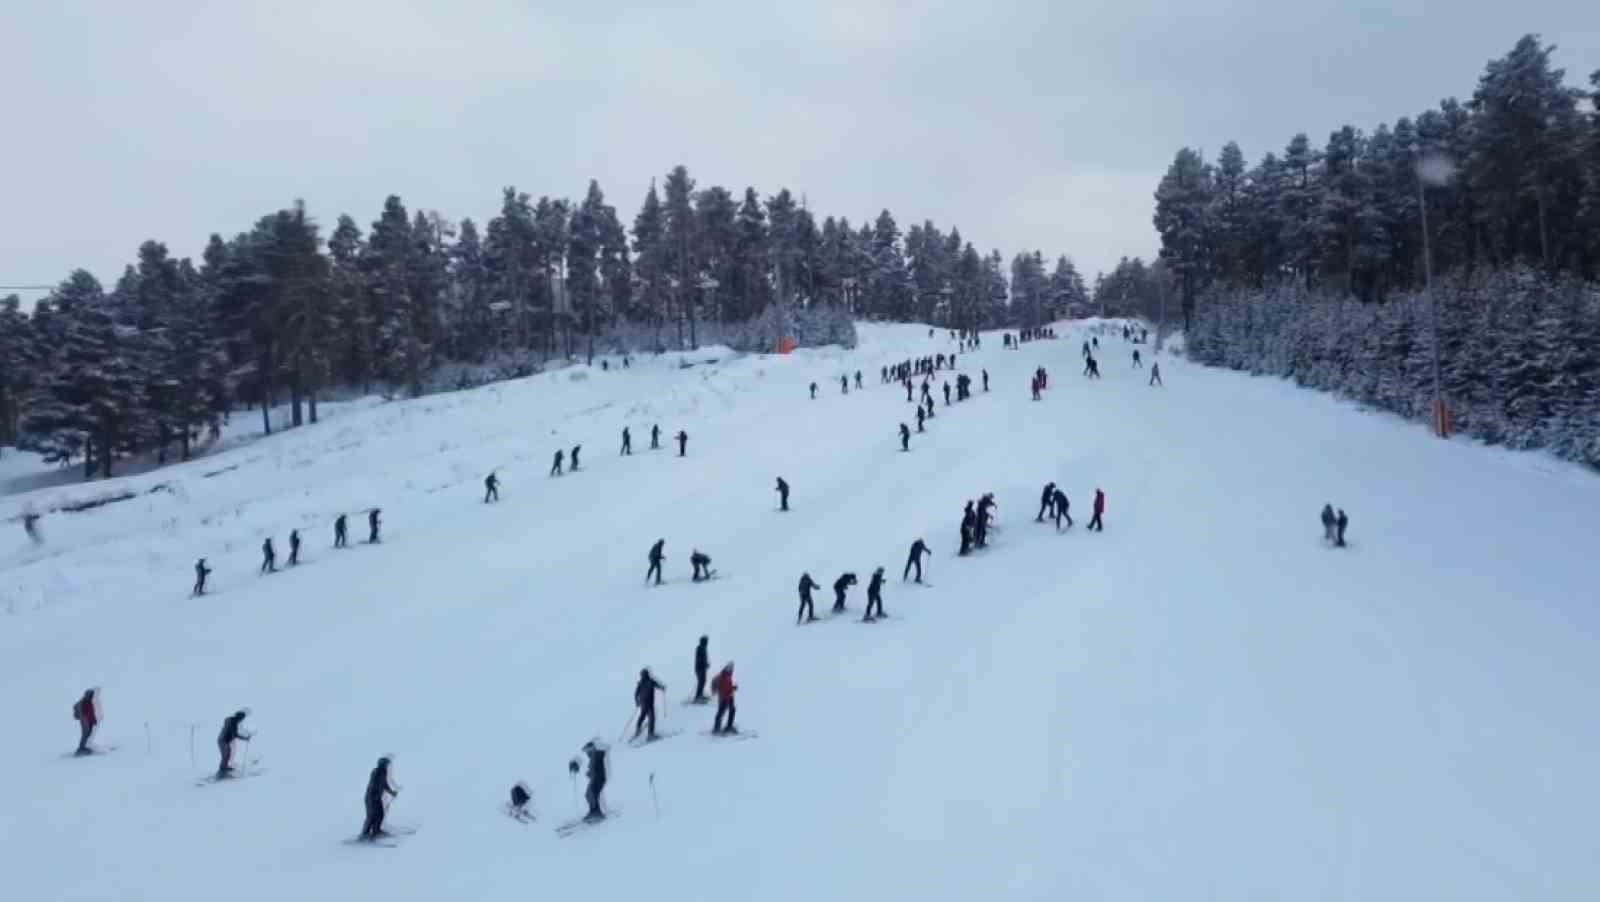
(651, 263)
(584, 240)
(751, 288)
(18, 357)
(679, 240)
(1182, 204)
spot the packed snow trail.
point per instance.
(1203, 701)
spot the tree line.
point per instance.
(280, 313)
(1315, 265)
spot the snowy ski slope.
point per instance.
(1203, 702)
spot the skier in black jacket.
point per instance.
(844, 385)
(201, 571)
(627, 442)
(372, 525)
(969, 521)
(702, 666)
(701, 562)
(555, 463)
(377, 787)
(655, 437)
(947, 393)
(655, 561)
(644, 695)
(491, 488)
(922, 417)
(985, 504)
(596, 754)
(874, 596)
(914, 559)
(1061, 507)
(294, 547)
(225, 739)
(1047, 501)
(269, 557)
(783, 494)
(339, 531)
(840, 587)
(807, 611)
(813, 391)
(905, 437)
(683, 443)
(574, 458)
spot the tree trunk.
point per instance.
(312, 403)
(105, 453)
(183, 443)
(294, 400)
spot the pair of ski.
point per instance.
(387, 837)
(243, 772)
(91, 751)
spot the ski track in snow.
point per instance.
(1201, 702)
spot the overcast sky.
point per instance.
(1033, 124)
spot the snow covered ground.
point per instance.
(1202, 702)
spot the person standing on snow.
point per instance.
(225, 740)
(1339, 525)
(574, 458)
(627, 442)
(339, 532)
(701, 562)
(874, 596)
(807, 611)
(724, 687)
(86, 711)
(813, 391)
(372, 525)
(905, 437)
(269, 557)
(555, 464)
(947, 392)
(683, 443)
(981, 531)
(1061, 507)
(1099, 510)
(844, 385)
(596, 755)
(985, 380)
(377, 787)
(644, 696)
(858, 379)
(1137, 363)
(914, 559)
(30, 525)
(702, 666)
(922, 417)
(201, 571)
(294, 547)
(969, 522)
(1327, 523)
(840, 587)
(908, 391)
(655, 561)
(1092, 368)
(491, 488)
(1155, 374)
(655, 437)
(783, 494)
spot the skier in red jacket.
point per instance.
(87, 717)
(724, 688)
(1099, 508)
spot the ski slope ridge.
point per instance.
(1201, 702)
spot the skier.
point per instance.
(1327, 523)
(372, 525)
(555, 465)
(1099, 510)
(929, 408)
(230, 732)
(1086, 349)
(927, 391)
(701, 563)
(783, 494)
(86, 711)
(1062, 509)
(655, 561)
(1155, 374)
(840, 587)
(655, 437)
(1096, 340)
(874, 596)
(294, 547)
(574, 457)
(1339, 525)
(813, 391)
(339, 533)
(905, 437)
(644, 696)
(683, 442)
(491, 488)
(702, 664)
(1047, 500)
(1091, 368)
(724, 687)
(377, 787)
(1034, 386)
(269, 557)
(844, 385)
(30, 525)
(1137, 363)
(969, 521)
(981, 533)
(596, 753)
(908, 391)
(200, 573)
(985, 380)
(858, 379)
(627, 442)
(807, 611)
(922, 417)
(947, 393)
(520, 797)
(914, 559)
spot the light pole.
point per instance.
(1435, 169)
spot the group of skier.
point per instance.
(841, 588)
(269, 553)
(1334, 525)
